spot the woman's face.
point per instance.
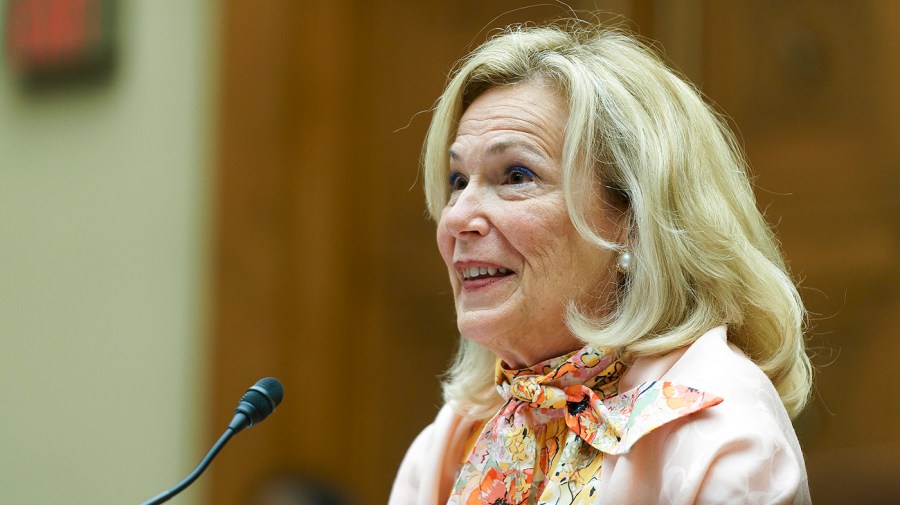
(514, 257)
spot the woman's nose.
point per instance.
(466, 215)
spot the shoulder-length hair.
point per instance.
(704, 255)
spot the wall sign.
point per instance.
(50, 41)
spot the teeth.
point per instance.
(469, 273)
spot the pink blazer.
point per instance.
(743, 450)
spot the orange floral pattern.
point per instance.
(546, 445)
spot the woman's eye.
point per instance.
(519, 175)
(457, 182)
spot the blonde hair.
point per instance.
(704, 254)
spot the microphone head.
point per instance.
(271, 387)
(260, 400)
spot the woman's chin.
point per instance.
(488, 331)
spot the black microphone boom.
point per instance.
(257, 404)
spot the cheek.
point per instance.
(562, 262)
(445, 244)
(592, 270)
(542, 236)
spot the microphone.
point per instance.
(256, 405)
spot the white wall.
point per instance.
(104, 236)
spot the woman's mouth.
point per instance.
(476, 273)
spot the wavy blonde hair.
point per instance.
(704, 254)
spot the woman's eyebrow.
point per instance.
(504, 145)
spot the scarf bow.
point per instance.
(559, 418)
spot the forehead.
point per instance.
(525, 111)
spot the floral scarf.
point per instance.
(546, 444)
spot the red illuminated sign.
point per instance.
(55, 38)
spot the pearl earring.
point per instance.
(624, 262)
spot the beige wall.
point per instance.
(104, 235)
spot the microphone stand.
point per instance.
(257, 404)
(164, 497)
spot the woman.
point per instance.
(630, 333)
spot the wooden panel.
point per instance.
(812, 86)
(252, 305)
